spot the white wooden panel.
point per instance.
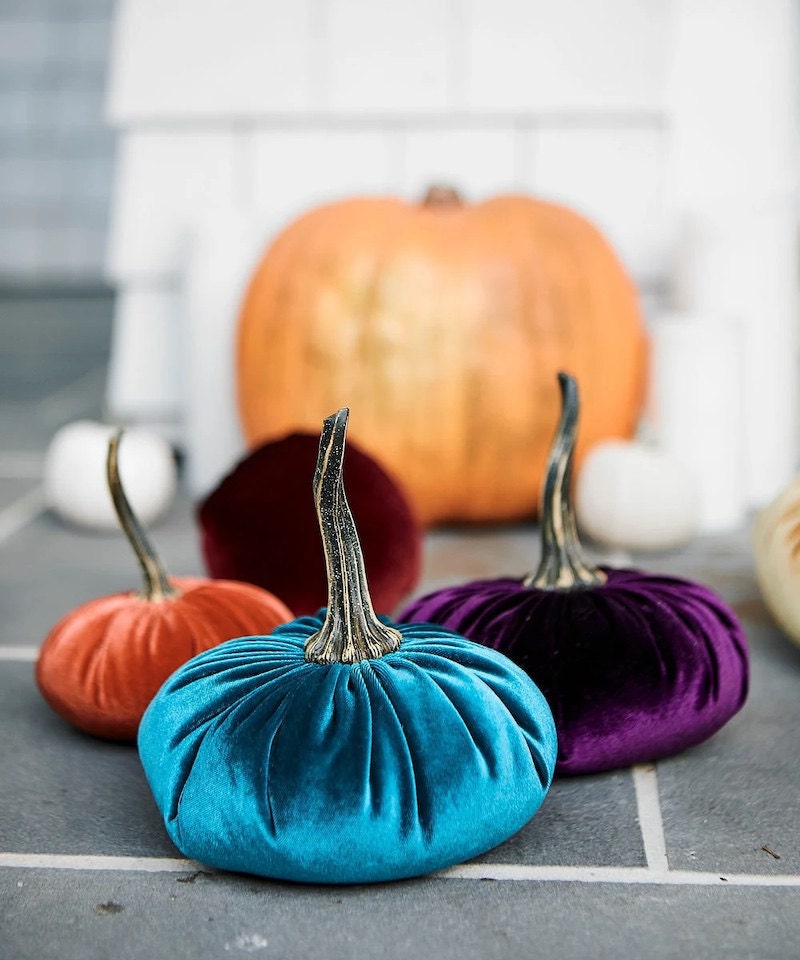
(734, 100)
(478, 162)
(615, 177)
(696, 407)
(145, 369)
(223, 253)
(389, 57)
(740, 263)
(200, 58)
(734, 115)
(164, 180)
(295, 169)
(575, 55)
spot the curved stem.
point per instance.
(351, 631)
(156, 584)
(563, 566)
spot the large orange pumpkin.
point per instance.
(442, 326)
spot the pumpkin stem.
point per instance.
(442, 195)
(351, 631)
(156, 584)
(563, 566)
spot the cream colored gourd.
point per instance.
(636, 497)
(776, 548)
(75, 486)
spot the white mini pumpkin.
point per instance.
(634, 497)
(75, 486)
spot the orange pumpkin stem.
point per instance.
(156, 582)
(563, 566)
(351, 631)
(441, 195)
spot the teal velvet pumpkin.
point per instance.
(340, 773)
(343, 748)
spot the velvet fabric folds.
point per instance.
(104, 661)
(259, 526)
(638, 668)
(263, 762)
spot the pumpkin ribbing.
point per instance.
(442, 328)
(635, 666)
(102, 663)
(341, 748)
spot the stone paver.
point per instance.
(63, 794)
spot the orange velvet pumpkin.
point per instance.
(442, 326)
(103, 663)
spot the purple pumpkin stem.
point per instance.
(563, 565)
(351, 631)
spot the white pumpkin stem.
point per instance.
(351, 631)
(563, 565)
(156, 582)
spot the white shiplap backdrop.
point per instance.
(661, 120)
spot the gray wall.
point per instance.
(56, 152)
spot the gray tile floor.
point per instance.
(625, 864)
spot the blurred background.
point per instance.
(149, 149)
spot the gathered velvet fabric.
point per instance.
(635, 669)
(263, 762)
(259, 525)
(104, 661)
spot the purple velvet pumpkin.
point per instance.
(635, 666)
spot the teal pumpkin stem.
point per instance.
(563, 565)
(351, 631)
(156, 582)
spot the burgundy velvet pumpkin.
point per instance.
(259, 526)
(635, 666)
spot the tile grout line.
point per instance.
(614, 875)
(66, 391)
(57, 861)
(468, 871)
(648, 808)
(19, 654)
(69, 401)
(21, 512)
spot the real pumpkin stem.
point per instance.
(563, 566)
(156, 583)
(351, 631)
(442, 195)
